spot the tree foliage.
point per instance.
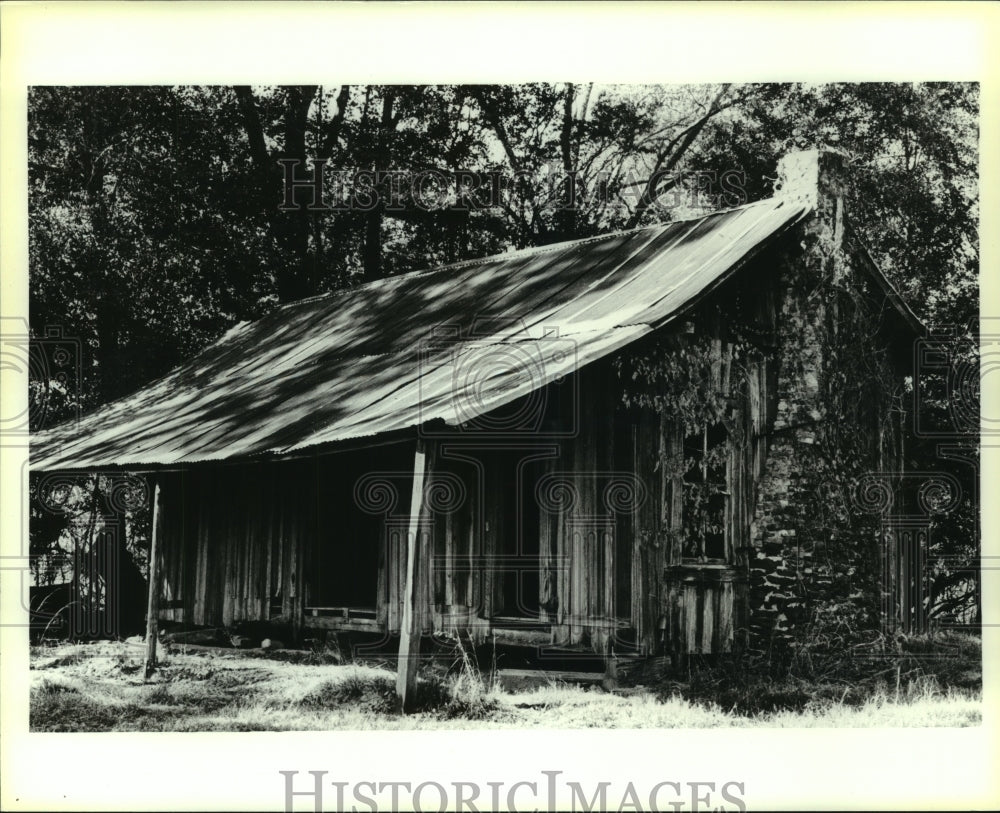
(156, 220)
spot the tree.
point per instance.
(141, 244)
(588, 159)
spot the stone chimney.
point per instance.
(818, 179)
(790, 555)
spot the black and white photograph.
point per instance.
(353, 408)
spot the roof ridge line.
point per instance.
(527, 251)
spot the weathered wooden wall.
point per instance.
(588, 518)
(584, 512)
(704, 605)
(552, 509)
(222, 565)
(597, 537)
(703, 608)
(286, 542)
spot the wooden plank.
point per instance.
(199, 499)
(727, 363)
(234, 521)
(609, 572)
(283, 535)
(296, 543)
(594, 574)
(409, 640)
(168, 569)
(672, 492)
(690, 616)
(397, 553)
(342, 623)
(426, 554)
(733, 516)
(563, 549)
(476, 547)
(448, 521)
(547, 589)
(381, 581)
(673, 611)
(223, 522)
(517, 679)
(709, 604)
(585, 553)
(490, 536)
(266, 497)
(724, 635)
(261, 587)
(612, 459)
(236, 545)
(523, 637)
(180, 541)
(466, 535)
(624, 522)
(152, 606)
(635, 586)
(217, 556)
(652, 562)
(248, 543)
(716, 356)
(205, 538)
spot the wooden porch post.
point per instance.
(152, 608)
(416, 564)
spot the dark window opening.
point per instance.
(346, 543)
(344, 573)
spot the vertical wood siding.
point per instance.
(246, 543)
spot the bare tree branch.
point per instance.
(671, 155)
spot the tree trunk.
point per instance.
(566, 213)
(298, 277)
(292, 227)
(373, 223)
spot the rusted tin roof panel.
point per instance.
(384, 356)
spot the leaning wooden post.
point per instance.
(152, 608)
(410, 627)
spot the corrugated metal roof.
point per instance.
(451, 343)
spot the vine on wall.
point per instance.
(838, 393)
(695, 382)
(839, 427)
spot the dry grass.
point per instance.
(99, 687)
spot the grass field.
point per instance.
(99, 687)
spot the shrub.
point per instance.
(831, 661)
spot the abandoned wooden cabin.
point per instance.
(597, 444)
